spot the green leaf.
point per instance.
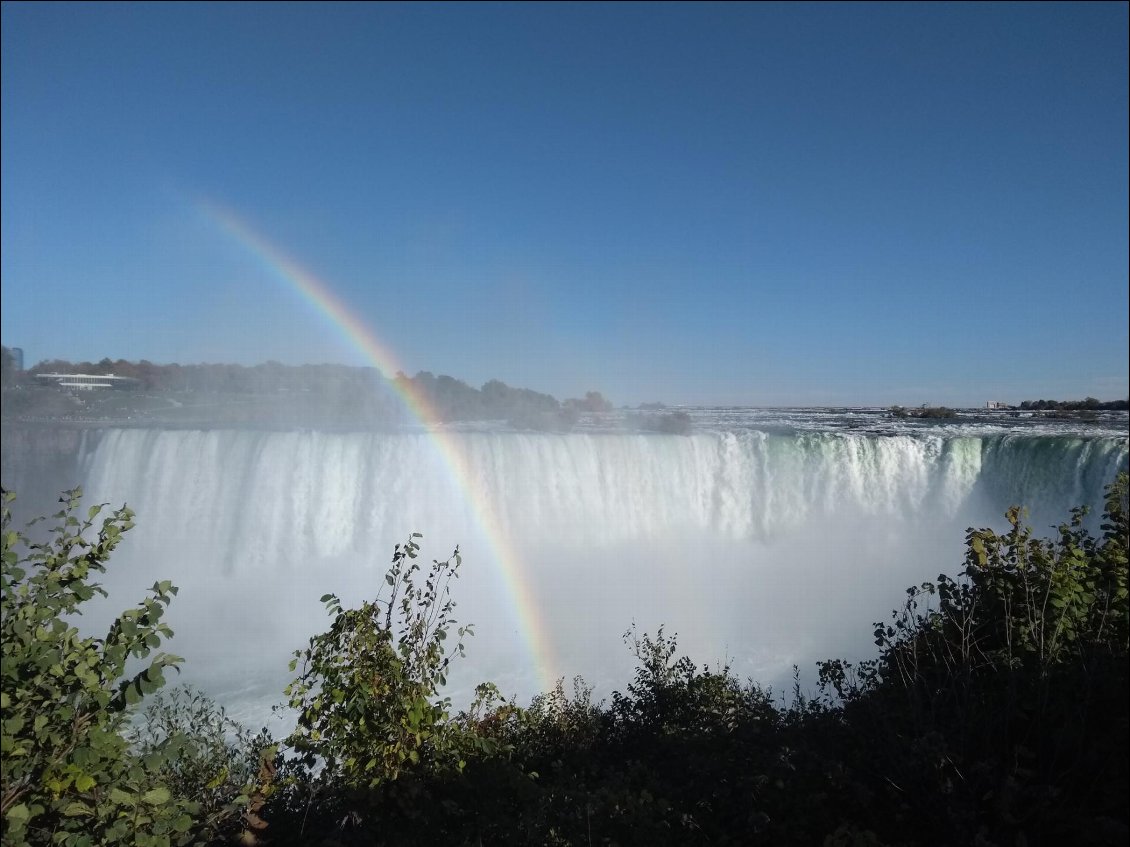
(122, 798)
(157, 796)
(18, 814)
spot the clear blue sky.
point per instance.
(762, 204)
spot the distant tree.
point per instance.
(923, 412)
(8, 370)
(936, 412)
(52, 366)
(596, 402)
(123, 368)
(1089, 404)
(593, 403)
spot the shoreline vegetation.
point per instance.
(312, 396)
(936, 412)
(993, 713)
(1075, 410)
(342, 397)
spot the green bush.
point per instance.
(69, 776)
(997, 704)
(209, 757)
(367, 694)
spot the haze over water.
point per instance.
(765, 538)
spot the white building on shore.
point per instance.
(88, 382)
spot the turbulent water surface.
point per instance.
(764, 537)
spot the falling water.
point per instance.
(761, 550)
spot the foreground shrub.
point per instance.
(997, 708)
(205, 755)
(367, 695)
(994, 714)
(68, 775)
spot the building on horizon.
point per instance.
(88, 382)
(18, 358)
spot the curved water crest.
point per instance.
(762, 549)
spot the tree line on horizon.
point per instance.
(362, 391)
(356, 392)
(1088, 404)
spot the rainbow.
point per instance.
(334, 310)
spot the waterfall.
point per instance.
(266, 497)
(760, 549)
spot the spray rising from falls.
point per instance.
(760, 549)
(345, 321)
